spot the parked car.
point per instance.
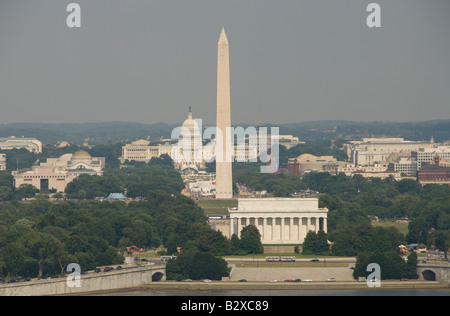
(331, 280)
(242, 280)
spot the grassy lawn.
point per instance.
(402, 227)
(217, 207)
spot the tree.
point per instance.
(315, 243)
(13, 257)
(196, 265)
(441, 240)
(251, 240)
(411, 266)
(25, 191)
(417, 231)
(41, 246)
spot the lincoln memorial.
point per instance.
(279, 220)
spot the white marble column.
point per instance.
(239, 227)
(260, 226)
(265, 229)
(291, 228)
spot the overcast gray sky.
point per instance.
(291, 60)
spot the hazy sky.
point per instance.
(291, 60)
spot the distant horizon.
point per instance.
(233, 124)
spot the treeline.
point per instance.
(353, 202)
(40, 237)
(105, 132)
(369, 245)
(356, 200)
(136, 180)
(200, 250)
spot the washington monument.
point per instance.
(224, 183)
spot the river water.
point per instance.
(285, 293)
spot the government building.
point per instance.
(31, 144)
(191, 152)
(279, 220)
(56, 173)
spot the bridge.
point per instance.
(103, 281)
(434, 272)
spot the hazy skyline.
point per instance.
(290, 61)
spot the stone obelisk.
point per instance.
(224, 182)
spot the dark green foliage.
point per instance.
(197, 265)
(354, 201)
(316, 243)
(349, 241)
(251, 240)
(41, 237)
(392, 266)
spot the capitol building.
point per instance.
(189, 150)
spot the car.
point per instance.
(187, 280)
(119, 268)
(314, 260)
(273, 281)
(298, 280)
(404, 279)
(242, 280)
(97, 270)
(206, 280)
(331, 280)
(307, 280)
(107, 269)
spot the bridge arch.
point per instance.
(429, 275)
(157, 276)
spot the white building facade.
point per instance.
(377, 150)
(31, 144)
(56, 173)
(428, 154)
(279, 220)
